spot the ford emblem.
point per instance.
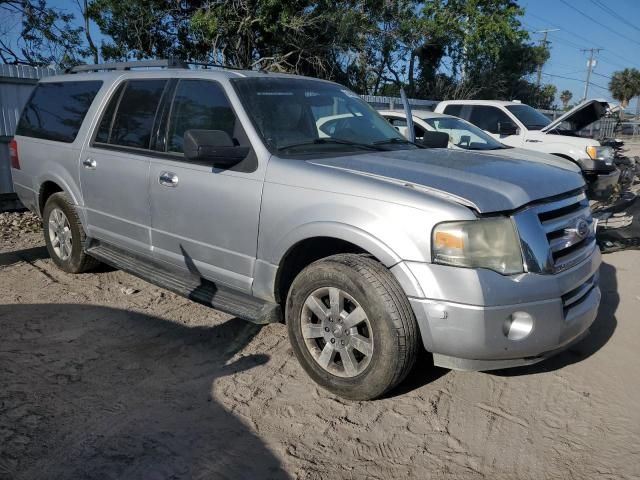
(580, 230)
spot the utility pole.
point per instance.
(590, 65)
(544, 43)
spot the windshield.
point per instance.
(308, 116)
(463, 134)
(530, 117)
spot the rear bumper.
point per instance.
(498, 332)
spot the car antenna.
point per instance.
(411, 133)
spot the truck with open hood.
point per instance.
(518, 125)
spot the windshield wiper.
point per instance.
(396, 140)
(480, 149)
(337, 141)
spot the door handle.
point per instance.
(168, 179)
(89, 163)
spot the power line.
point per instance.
(614, 14)
(575, 79)
(601, 75)
(587, 40)
(584, 39)
(600, 24)
(613, 64)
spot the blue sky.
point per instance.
(612, 25)
(586, 24)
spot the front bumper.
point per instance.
(467, 316)
(601, 185)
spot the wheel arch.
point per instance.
(54, 182)
(319, 240)
(47, 188)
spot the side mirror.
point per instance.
(507, 128)
(435, 139)
(213, 146)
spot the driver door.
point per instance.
(204, 219)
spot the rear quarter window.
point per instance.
(56, 110)
(454, 110)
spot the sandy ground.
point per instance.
(105, 376)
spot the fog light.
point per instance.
(518, 326)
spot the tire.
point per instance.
(378, 352)
(60, 222)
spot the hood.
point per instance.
(534, 156)
(581, 115)
(489, 183)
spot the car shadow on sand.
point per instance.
(89, 391)
(24, 255)
(599, 334)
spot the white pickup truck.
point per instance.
(519, 125)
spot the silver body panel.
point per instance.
(235, 228)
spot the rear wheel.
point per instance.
(351, 326)
(64, 236)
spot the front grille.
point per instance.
(569, 229)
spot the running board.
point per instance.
(192, 287)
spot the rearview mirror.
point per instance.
(435, 139)
(507, 128)
(213, 146)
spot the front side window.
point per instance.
(463, 134)
(56, 110)
(529, 116)
(135, 115)
(198, 105)
(488, 118)
(400, 124)
(309, 116)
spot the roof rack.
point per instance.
(163, 63)
(159, 63)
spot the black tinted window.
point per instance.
(530, 117)
(56, 110)
(487, 118)
(454, 110)
(198, 104)
(136, 113)
(105, 124)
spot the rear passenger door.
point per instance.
(204, 219)
(114, 167)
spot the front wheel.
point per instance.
(351, 326)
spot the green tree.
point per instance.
(624, 85)
(138, 29)
(45, 36)
(565, 98)
(474, 48)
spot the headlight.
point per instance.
(601, 153)
(485, 243)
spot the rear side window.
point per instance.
(487, 118)
(130, 115)
(454, 110)
(56, 110)
(107, 119)
(198, 104)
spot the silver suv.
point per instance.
(277, 197)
